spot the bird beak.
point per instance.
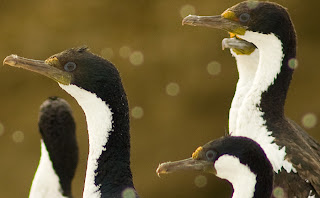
(239, 46)
(41, 67)
(218, 22)
(186, 164)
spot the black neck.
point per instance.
(264, 185)
(273, 100)
(58, 134)
(262, 168)
(250, 154)
(113, 172)
(253, 155)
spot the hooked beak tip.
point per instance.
(10, 60)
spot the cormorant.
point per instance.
(292, 152)
(59, 151)
(96, 85)
(239, 160)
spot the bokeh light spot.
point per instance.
(172, 89)
(137, 112)
(214, 68)
(200, 181)
(293, 63)
(1, 129)
(187, 10)
(278, 192)
(136, 58)
(124, 51)
(107, 53)
(309, 120)
(129, 193)
(18, 136)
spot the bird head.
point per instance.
(262, 18)
(75, 66)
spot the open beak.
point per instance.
(185, 165)
(40, 67)
(217, 22)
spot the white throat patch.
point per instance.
(251, 123)
(239, 175)
(247, 66)
(99, 123)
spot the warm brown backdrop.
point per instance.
(172, 126)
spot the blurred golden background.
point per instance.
(179, 98)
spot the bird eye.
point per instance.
(70, 66)
(210, 154)
(244, 17)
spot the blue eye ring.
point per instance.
(211, 155)
(244, 17)
(70, 66)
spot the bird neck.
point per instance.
(273, 76)
(265, 100)
(245, 183)
(57, 128)
(239, 175)
(108, 167)
(45, 182)
(247, 66)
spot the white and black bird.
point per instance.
(96, 85)
(293, 154)
(239, 160)
(59, 151)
